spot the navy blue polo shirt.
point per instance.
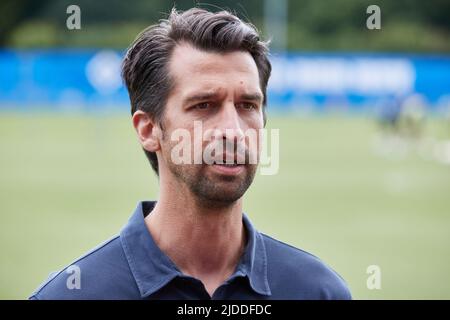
(131, 266)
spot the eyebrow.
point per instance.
(200, 97)
(253, 96)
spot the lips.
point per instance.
(228, 165)
(228, 169)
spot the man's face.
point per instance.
(221, 92)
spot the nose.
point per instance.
(229, 123)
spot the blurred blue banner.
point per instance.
(90, 81)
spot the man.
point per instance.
(196, 67)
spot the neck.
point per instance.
(204, 242)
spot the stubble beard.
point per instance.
(210, 189)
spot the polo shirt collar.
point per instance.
(153, 269)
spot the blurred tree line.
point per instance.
(406, 25)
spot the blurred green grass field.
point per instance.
(69, 182)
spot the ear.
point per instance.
(147, 130)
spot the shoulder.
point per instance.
(102, 273)
(296, 274)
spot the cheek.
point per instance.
(166, 146)
(181, 143)
(256, 120)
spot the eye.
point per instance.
(246, 105)
(202, 106)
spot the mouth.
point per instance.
(228, 168)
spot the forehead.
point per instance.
(192, 69)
